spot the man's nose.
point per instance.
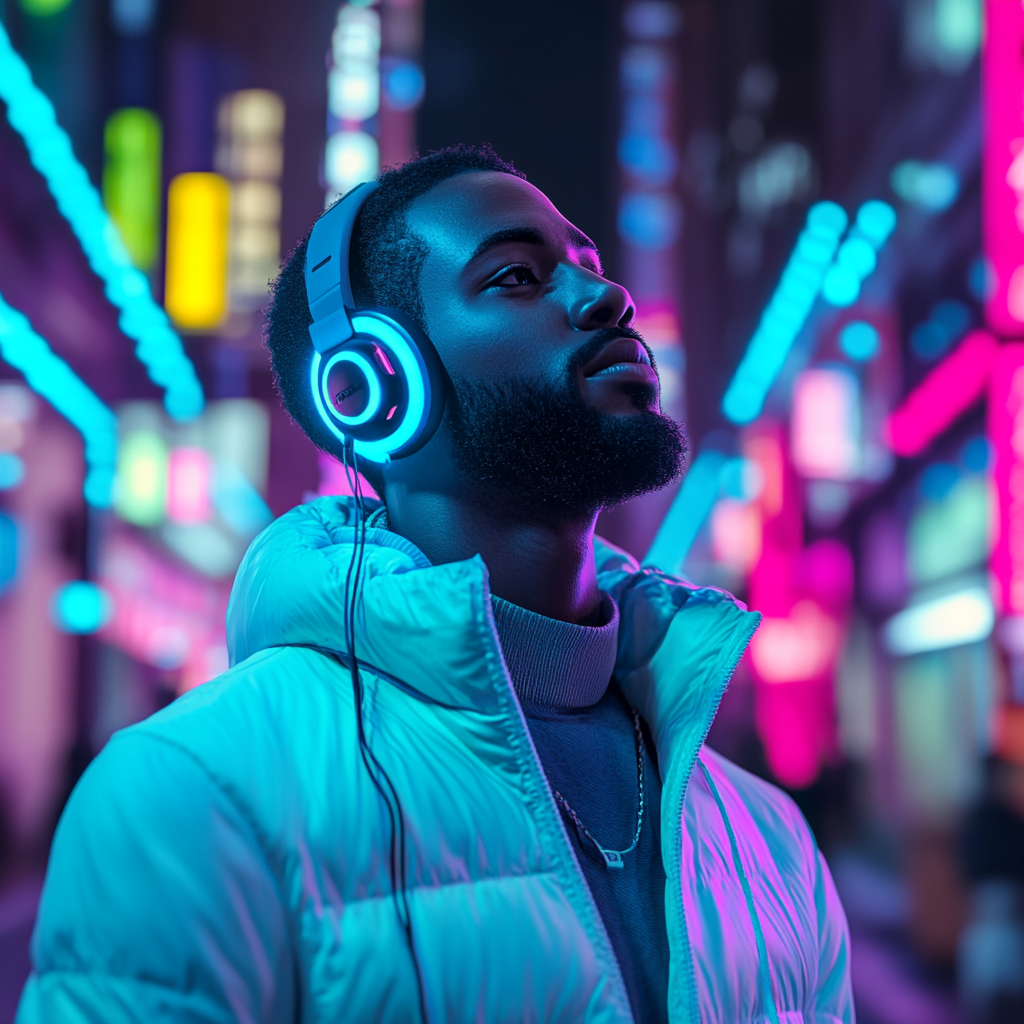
(604, 304)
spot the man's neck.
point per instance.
(545, 566)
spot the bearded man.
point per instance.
(479, 791)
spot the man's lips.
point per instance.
(623, 359)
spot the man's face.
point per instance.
(511, 289)
(555, 407)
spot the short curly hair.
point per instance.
(386, 261)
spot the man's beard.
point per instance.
(539, 449)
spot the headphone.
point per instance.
(378, 384)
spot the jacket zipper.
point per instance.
(677, 819)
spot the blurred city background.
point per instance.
(819, 208)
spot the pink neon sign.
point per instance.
(1003, 164)
(1006, 432)
(188, 486)
(950, 389)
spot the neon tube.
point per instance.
(786, 313)
(955, 384)
(49, 376)
(690, 507)
(32, 115)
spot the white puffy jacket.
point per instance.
(227, 859)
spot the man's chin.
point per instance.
(624, 399)
(548, 452)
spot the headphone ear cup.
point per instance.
(382, 391)
(432, 378)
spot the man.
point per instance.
(518, 819)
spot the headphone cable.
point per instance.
(376, 771)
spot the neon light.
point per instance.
(352, 153)
(12, 470)
(81, 607)
(164, 615)
(876, 221)
(857, 257)
(933, 187)
(736, 534)
(785, 314)
(131, 181)
(860, 341)
(1002, 182)
(49, 149)
(49, 376)
(802, 646)
(188, 486)
(250, 154)
(8, 551)
(140, 492)
(1005, 431)
(951, 535)
(238, 501)
(43, 8)
(380, 451)
(954, 385)
(825, 426)
(384, 361)
(690, 507)
(198, 219)
(961, 618)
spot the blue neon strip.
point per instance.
(49, 376)
(691, 506)
(786, 313)
(159, 348)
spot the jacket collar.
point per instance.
(432, 626)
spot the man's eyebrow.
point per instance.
(580, 241)
(531, 236)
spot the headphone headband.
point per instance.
(328, 284)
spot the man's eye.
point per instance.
(512, 277)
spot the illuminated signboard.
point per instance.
(1003, 163)
(131, 181)
(825, 426)
(196, 289)
(198, 488)
(352, 153)
(250, 154)
(1006, 432)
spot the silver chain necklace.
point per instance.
(613, 858)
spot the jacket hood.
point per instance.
(434, 624)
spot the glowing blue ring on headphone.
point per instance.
(415, 373)
(369, 372)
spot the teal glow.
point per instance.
(786, 313)
(859, 341)
(12, 470)
(841, 286)
(690, 508)
(933, 187)
(49, 376)
(876, 221)
(416, 409)
(8, 551)
(807, 272)
(238, 501)
(372, 381)
(81, 607)
(857, 256)
(159, 348)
